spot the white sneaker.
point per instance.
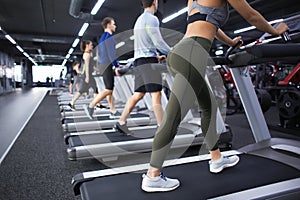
(223, 162)
(159, 184)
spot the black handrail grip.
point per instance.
(232, 48)
(286, 37)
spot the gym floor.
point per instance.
(36, 165)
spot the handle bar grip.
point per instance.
(286, 37)
(232, 48)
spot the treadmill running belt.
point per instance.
(196, 181)
(98, 118)
(116, 137)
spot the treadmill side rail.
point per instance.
(285, 189)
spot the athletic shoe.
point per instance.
(224, 162)
(101, 106)
(72, 107)
(88, 111)
(123, 128)
(160, 183)
(116, 115)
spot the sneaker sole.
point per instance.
(153, 189)
(73, 109)
(101, 108)
(225, 166)
(124, 132)
(114, 117)
(87, 112)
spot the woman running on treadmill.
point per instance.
(188, 61)
(74, 80)
(88, 67)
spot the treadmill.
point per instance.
(111, 144)
(81, 115)
(73, 124)
(106, 123)
(268, 169)
(121, 93)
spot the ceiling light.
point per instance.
(10, 39)
(253, 27)
(70, 51)
(97, 7)
(120, 44)
(170, 17)
(244, 29)
(20, 48)
(83, 29)
(75, 43)
(64, 62)
(32, 61)
(26, 54)
(219, 52)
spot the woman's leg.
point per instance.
(178, 105)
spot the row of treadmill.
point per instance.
(268, 169)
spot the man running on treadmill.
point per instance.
(147, 41)
(107, 62)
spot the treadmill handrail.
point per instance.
(225, 60)
(275, 50)
(232, 48)
(265, 53)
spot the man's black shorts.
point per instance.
(108, 76)
(146, 78)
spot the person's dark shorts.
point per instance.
(108, 76)
(84, 86)
(146, 78)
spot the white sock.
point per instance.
(121, 123)
(153, 178)
(219, 160)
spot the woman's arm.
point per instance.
(222, 37)
(255, 18)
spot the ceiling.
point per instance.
(46, 30)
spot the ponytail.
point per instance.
(83, 44)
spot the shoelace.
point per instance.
(161, 175)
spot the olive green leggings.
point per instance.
(187, 62)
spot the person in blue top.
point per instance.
(147, 40)
(106, 63)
